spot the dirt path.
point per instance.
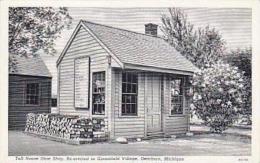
(22, 144)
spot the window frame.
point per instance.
(92, 94)
(183, 96)
(25, 93)
(129, 94)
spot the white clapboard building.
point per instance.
(137, 82)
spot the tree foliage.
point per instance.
(220, 89)
(242, 58)
(202, 47)
(35, 28)
(219, 95)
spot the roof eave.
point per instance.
(68, 44)
(103, 45)
(32, 75)
(81, 24)
(157, 69)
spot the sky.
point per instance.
(234, 24)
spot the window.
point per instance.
(176, 96)
(129, 93)
(54, 102)
(98, 93)
(32, 94)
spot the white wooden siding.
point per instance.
(135, 126)
(127, 126)
(82, 45)
(173, 124)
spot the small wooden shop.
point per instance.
(137, 82)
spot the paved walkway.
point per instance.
(209, 144)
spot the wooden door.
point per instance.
(153, 103)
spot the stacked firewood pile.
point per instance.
(68, 127)
(99, 129)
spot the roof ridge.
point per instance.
(86, 21)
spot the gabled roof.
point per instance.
(138, 49)
(33, 66)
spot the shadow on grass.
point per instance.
(233, 134)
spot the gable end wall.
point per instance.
(83, 44)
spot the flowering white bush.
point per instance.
(219, 93)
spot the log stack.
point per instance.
(67, 127)
(99, 129)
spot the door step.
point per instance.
(155, 135)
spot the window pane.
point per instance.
(32, 100)
(95, 89)
(124, 88)
(124, 77)
(128, 108)
(27, 90)
(133, 106)
(134, 88)
(176, 96)
(32, 93)
(99, 108)
(123, 108)
(129, 93)
(37, 89)
(133, 99)
(128, 99)
(98, 97)
(129, 77)
(135, 78)
(123, 99)
(129, 88)
(94, 108)
(177, 109)
(36, 99)
(102, 108)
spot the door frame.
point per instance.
(161, 80)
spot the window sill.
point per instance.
(128, 116)
(81, 108)
(178, 115)
(98, 116)
(32, 105)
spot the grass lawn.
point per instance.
(202, 144)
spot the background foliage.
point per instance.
(222, 91)
(203, 46)
(35, 28)
(242, 58)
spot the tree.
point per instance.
(220, 90)
(35, 28)
(242, 58)
(219, 95)
(202, 47)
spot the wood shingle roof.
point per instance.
(140, 49)
(132, 48)
(33, 66)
